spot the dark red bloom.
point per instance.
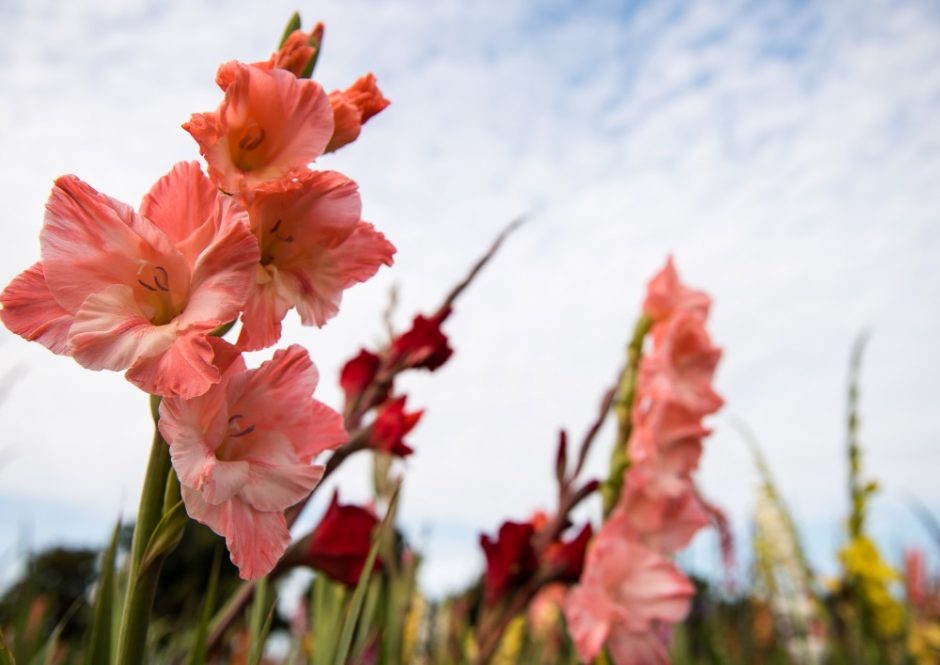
(422, 346)
(391, 426)
(566, 558)
(340, 544)
(357, 374)
(510, 559)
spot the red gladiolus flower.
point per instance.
(422, 346)
(352, 108)
(391, 426)
(510, 559)
(566, 558)
(340, 544)
(357, 374)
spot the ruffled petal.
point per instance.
(222, 278)
(262, 314)
(224, 480)
(278, 478)
(181, 201)
(110, 332)
(269, 124)
(30, 310)
(91, 241)
(185, 369)
(588, 613)
(363, 253)
(630, 648)
(255, 539)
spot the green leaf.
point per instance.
(98, 649)
(326, 610)
(47, 655)
(355, 605)
(198, 653)
(258, 625)
(293, 23)
(6, 658)
(166, 536)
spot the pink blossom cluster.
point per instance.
(145, 291)
(631, 591)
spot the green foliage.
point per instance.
(98, 647)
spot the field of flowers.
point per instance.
(175, 292)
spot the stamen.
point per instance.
(145, 285)
(234, 421)
(274, 232)
(252, 138)
(162, 285)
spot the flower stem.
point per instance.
(142, 584)
(623, 405)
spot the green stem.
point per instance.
(619, 458)
(142, 585)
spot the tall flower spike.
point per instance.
(119, 291)
(313, 247)
(244, 451)
(269, 124)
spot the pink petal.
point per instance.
(262, 314)
(181, 201)
(278, 478)
(255, 539)
(324, 432)
(29, 310)
(185, 369)
(589, 619)
(222, 278)
(110, 332)
(363, 253)
(269, 124)
(224, 480)
(629, 648)
(91, 241)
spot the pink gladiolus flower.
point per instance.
(352, 108)
(626, 590)
(664, 513)
(269, 124)
(681, 367)
(313, 247)
(244, 451)
(138, 292)
(665, 295)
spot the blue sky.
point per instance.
(785, 153)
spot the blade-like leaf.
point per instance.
(198, 652)
(355, 605)
(6, 658)
(98, 649)
(166, 536)
(259, 621)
